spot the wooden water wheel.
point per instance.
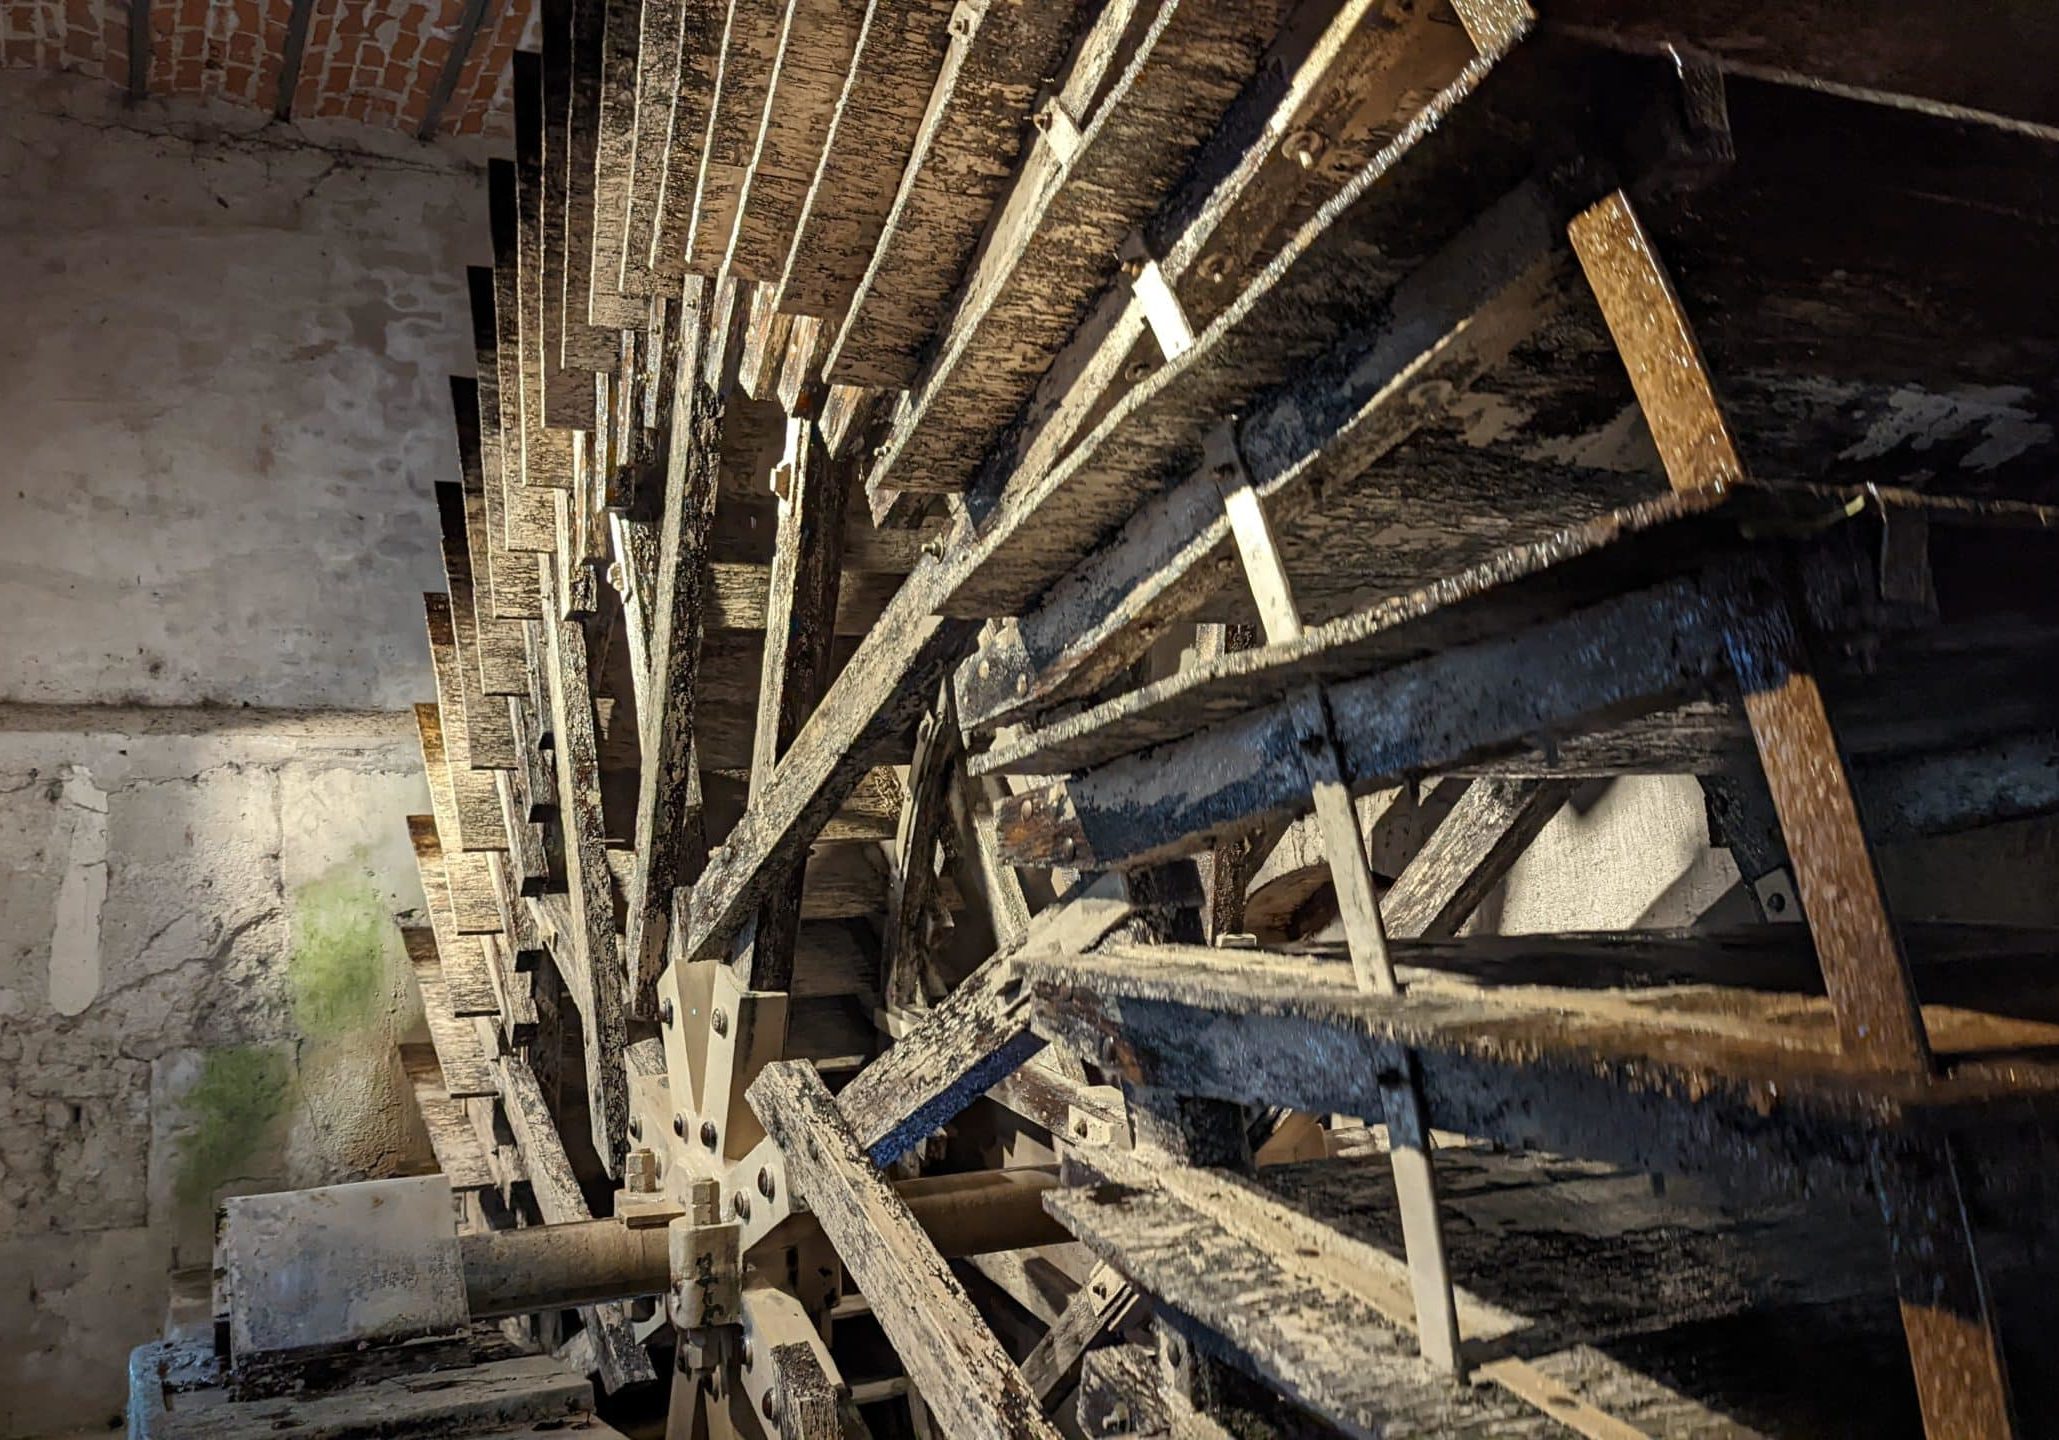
(1021, 567)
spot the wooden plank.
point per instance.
(501, 643)
(958, 168)
(702, 24)
(471, 888)
(1448, 323)
(590, 962)
(1425, 716)
(1468, 854)
(913, 883)
(519, 514)
(816, 41)
(964, 1375)
(546, 453)
(800, 615)
(750, 45)
(621, 1360)
(507, 582)
(738, 598)
(1098, 1306)
(1466, 149)
(1768, 1054)
(474, 803)
(459, 1155)
(468, 882)
(465, 1071)
(1033, 284)
(466, 988)
(489, 735)
(879, 692)
(579, 348)
(609, 303)
(895, 61)
(669, 844)
(977, 1034)
(660, 28)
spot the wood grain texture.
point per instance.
(474, 803)
(1468, 853)
(970, 138)
(1034, 282)
(701, 26)
(750, 46)
(491, 737)
(590, 961)
(661, 28)
(965, 1377)
(899, 49)
(1445, 326)
(669, 844)
(878, 694)
(609, 302)
(501, 653)
(546, 450)
(816, 41)
(800, 619)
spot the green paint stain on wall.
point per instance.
(338, 969)
(241, 1090)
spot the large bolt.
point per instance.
(640, 1172)
(679, 1126)
(765, 1181)
(770, 1407)
(708, 1133)
(720, 1020)
(740, 1205)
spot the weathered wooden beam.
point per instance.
(609, 302)
(459, 1155)
(590, 962)
(915, 847)
(895, 60)
(466, 877)
(1947, 1311)
(1100, 1305)
(690, 106)
(669, 844)
(580, 346)
(546, 450)
(1056, 244)
(964, 1375)
(500, 649)
(816, 41)
(879, 692)
(1468, 854)
(959, 163)
(1421, 717)
(559, 1198)
(1448, 323)
(800, 615)
(465, 1071)
(490, 736)
(749, 45)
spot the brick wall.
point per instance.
(376, 62)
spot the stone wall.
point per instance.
(224, 356)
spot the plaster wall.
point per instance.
(223, 369)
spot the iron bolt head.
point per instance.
(709, 1133)
(665, 1010)
(765, 1181)
(679, 1126)
(740, 1205)
(720, 1021)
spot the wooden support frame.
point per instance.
(964, 1375)
(1947, 1313)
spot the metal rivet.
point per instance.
(720, 1020)
(765, 1181)
(665, 1010)
(748, 1356)
(635, 1128)
(709, 1133)
(771, 1410)
(740, 1204)
(679, 1126)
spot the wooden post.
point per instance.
(1947, 1313)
